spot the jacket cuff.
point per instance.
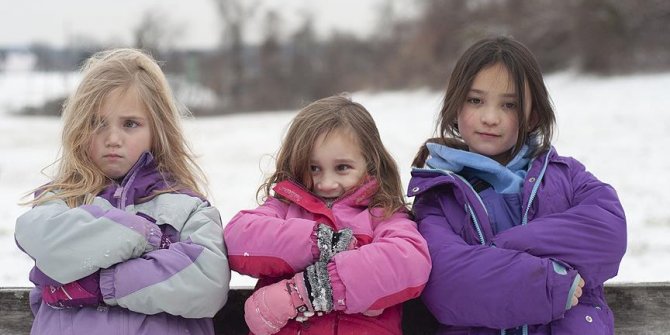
(339, 291)
(152, 233)
(107, 286)
(562, 279)
(315, 243)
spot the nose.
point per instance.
(490, 116)
(326, 184)
(112, 137)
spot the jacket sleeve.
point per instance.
(590, 234)
(396, 263)
(482, 286)
(70, 243)
(189, 279)
(263, 243)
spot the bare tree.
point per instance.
(155, 33)
(234, 15)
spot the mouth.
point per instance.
(484, 134)
(112, 156)
(329, 196)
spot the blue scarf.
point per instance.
(504, 179)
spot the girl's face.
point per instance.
(336, 164)
(488, 120)
(122, 135)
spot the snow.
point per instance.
(617, 126)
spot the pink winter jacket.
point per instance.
(390, 265)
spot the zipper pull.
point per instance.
(118, 191)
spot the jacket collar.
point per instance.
(141, 181)
(424, 179)
(298, 194)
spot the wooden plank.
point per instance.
(640, 308)
(15, 314)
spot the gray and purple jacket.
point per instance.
(146, 289)
(482, 283)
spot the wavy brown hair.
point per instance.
(78, 179)
(323, 117)
(524, 71)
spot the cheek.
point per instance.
(91, 148)
(464, 119)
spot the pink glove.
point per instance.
(80, 293)
(168, 234)
(269, 309)
(373, 312)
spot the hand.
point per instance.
(268, 310)
(80, 293)
(331, 243)
(578, 292)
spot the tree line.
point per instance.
(601, 37)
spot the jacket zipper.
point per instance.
(469, 209)
(536, 186)
(121, 192)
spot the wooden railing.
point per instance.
(640, 308)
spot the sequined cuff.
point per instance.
(341, 240)
(324, 240)
(320, 290)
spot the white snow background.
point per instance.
(619, 127)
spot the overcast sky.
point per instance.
(112, 21)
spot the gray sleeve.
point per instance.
(190, 278)
(70, 243)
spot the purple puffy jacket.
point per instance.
(481, 283)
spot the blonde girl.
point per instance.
(123, 239)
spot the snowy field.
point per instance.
(619, 127)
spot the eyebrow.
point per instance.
(337, 161)
(506, 95)
(132, 117)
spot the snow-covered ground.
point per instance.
(619, 127)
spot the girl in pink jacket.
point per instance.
(333, 247)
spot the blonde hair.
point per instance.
(78, 179)
(323, 117)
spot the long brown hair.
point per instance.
(78, 179)
(322, 117)
(524, 71)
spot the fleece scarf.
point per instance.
(506, 179)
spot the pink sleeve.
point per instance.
(397, 267)
(263, 243)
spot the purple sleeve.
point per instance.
(589, 234)
(482, 286)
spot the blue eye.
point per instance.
(314, 168)
(130, 124)
(343, 167)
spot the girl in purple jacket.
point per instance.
(521, 239)
(122, 238)
(333, 247)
